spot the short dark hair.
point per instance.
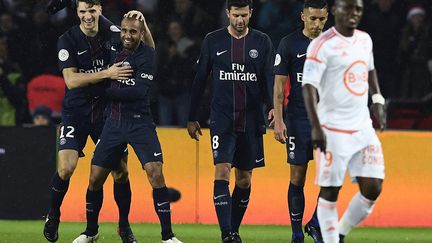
(90, 2)
(132, 18)
(319, 4)
(239, 3)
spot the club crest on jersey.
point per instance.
(292, 155)
(63, 55)
(215, 154)
(253, 53)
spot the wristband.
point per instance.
(378, 99)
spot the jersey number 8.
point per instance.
(215, 142)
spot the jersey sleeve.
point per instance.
(204, 65)
(371, 64)
(267, 89)
(282, 60)
(315, 64)
(143, 77)
(66, 53)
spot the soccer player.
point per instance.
(129, 121)
(340, 66)
(84, 55)
(289, 62)
(240, 60)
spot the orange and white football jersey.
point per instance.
(338, 67)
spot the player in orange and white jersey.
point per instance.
(340, 66)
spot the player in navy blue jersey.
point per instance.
(296, 134)
(84, 56)
(240, 61)
(129, 121)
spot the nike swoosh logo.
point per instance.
(259, 160)
(113, 49)
(156, 154)
(220, 53)
(160, 204)
(81, 52)
(244, 201)
(295, 214)
(224, 195)
(299, 56)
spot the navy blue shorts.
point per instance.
(244, 150)
(74, 131)
(116, 135)
(299, 144)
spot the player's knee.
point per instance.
(222, 171)
(372, 192)
(298, 181)
(156, 178)
(65, 172)
(329, 193)
(120, 176)
(244, 182)
(95, 183)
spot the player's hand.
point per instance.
(138, 15)
(119, 71)
(280, 131)
(319, 138)
(380, 115)
(270, 118)
(194, 129)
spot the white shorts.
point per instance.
(359, 151)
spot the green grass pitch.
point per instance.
(31, 232)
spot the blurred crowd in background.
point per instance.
(31, 87)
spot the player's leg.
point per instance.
(123, 198)
(122, 191)
(144, 140)
(72, 139)
(223, 147)
(296, 200)
(361, 204)
(240, 199)
(332, 167)
(367, 167)
(328, 214)
(106, 157)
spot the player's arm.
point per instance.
(281, 69)
(280, 131)
(75, 79)
(198, 86)
(378, 100)
(269, 73)
(310, 100)
(143, 78)
(313, 71)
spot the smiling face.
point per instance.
(89, 16)
(132, 31)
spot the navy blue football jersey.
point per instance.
(242, 77)
(88, 55)
(129, 99)
(290, 58)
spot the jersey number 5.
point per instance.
(291, 143)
